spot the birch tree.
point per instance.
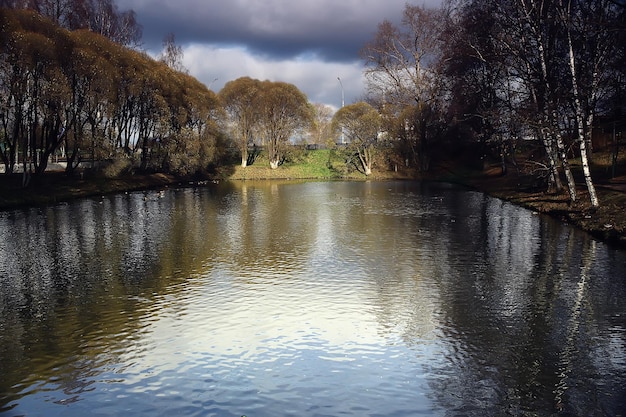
(534, 43)
(588, 29)
(172, 54)
(563, 55)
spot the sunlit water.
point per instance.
(307, 299)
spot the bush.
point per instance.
(117, 166)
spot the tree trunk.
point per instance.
(244, 153)
(558, 141)
(571, 184)
(553, 169)
(593, 197)
(274, 152)
(615, 152)
(580, 122)
(366, 161)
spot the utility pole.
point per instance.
(342, 104)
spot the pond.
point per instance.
(307, 299)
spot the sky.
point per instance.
(309, 43)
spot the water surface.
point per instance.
(307, 299)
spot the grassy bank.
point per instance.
(321, 164)
(316, 164)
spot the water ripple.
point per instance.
(315, 299)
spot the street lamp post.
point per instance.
(342, 104)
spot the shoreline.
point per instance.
(606, 223)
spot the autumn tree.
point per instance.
(100, 16)
(76, 93)
(284, 112)
(361, 124)
(189, 138)
(241, 100)
(89, 74)
(13, 83)
(36, 89)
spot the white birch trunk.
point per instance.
(571, 184)
(244, 157)
(554, 172)
(558, 140)
(593, 197)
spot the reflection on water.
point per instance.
(307, 299)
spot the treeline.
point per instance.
(99, 16)
(78, 95)
(473, 78)
(496, 75)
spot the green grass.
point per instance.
(300, 164)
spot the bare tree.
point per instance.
(400, 60)
(517, 48)
(172, 54)
(402, 71)
(589, 28)
(320, 132)
(69, 14)
(100, 16)
(120, 27)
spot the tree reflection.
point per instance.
(70, 275)
(520, 330)
(498, 309)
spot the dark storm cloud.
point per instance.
(330, 45)
(309, 43)
(331, 29)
